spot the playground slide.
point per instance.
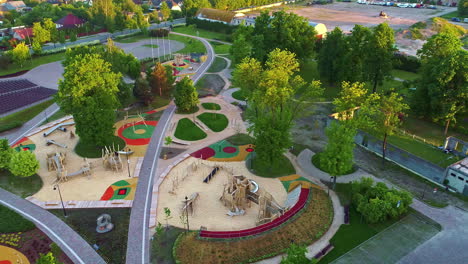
(125, 152)
(76, 173)
(255, 190)
(211, 175)
(50, 142)
(59, 126)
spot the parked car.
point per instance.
(403, 5)
(431, 7)
(456, 19)
(465, 20)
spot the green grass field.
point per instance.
(92, 151)
(450, 15)
(282, 167)
(211, 106)
(240, 139)
(151, 46)
(13, 222)
(433, 133)
(216, 122)
(405, 75)
(191, 45)
(132, 39)
(19, 118)
(33, 63)
(220, 48)
(187, 130)
(218, 65)
(203, 33)
(238, 95)
(21, 186)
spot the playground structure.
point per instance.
(185, 64)
(56, 161)
(225, 195)
(111, 159)
(61, 126)
(53, 142)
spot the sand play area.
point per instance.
(209, 211)
(10, 255)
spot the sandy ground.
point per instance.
(78, 188)
(11, 255)
(346, 15)
(209, 211)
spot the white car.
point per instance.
(413, 5)
(403, 5)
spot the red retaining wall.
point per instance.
(303, 197)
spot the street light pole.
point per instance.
(128, 163)
(57, 187)
(186, 212)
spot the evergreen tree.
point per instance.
(186, 95)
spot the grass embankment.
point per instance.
(239, 95)
(358, 231)
(33, 62)
(187, 130)
(13, 222)
(220, 48)
(211, 106)
(112, 245)
(191, 45)
(316, 162)
(19, 118)
(203, 33)
(309, 226)
(282, 167)
(132, 39)
(210, 84)
(215, 122)
(86, 150)
(218, 65)
(240, 139)
(21, 186)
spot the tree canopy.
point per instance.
(186, 95)
(5, 154)
(23, 163)
(90, 96)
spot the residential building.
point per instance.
(22, 33)
(19, 6)
(69, 21)
(457, 176)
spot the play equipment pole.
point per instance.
(57, 187)
(128, 164)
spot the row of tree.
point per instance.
(191, 6)
(22, 163)
(366, 55)
(285, 31)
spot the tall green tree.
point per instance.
(20, 54)
(389, 117)
(331, 58)
(165, 10)
(246, 76)
(91, 97)
(23, 163)
(50, 26)
(355, 57)
(186, 95)
(143, 91)
(5, 153)
(462, 7)
(41, 34)
(240, 49)
(159, 80)
(442, 91)
(380, 55)
(296, 255)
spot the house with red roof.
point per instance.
(69, 21)
(22, 33)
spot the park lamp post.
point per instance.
(186, 212)
(57, 187)
(128, 162)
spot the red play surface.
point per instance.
(303, 198)
(139, 141)
(204, 153)
(107, 194)
(5, 262)
(19, 142)
(229, 149)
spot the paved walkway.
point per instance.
(141, 52)
(76, 248)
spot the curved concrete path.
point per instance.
(138, 244)
(76, 248)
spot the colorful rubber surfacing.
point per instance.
(10, 255)
(290, 182)
(24, 144)
(138, 133)
(224, 151)
(121, 190)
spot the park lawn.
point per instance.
(19, 118)
(132, 39)
(21, 186)
(238, 95)
(187, 130)
(112, 245)
(240, 139)
(218, 65)
(57, 115)
(33, 63)
(309, 225)
(13, 222)
(211, 106)
(162, 246)
(405, 75)
(216, 122)
(191, 45)
(220, 48)
(86, 150)
(432, 132)
(282, 167)
(151, 46)
(203, 33)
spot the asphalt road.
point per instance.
(138, 244)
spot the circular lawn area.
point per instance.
(211, 106)
(239, 95)
(216, 122)
(187, 130)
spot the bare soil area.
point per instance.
(346, 15)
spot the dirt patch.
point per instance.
(210, 84)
